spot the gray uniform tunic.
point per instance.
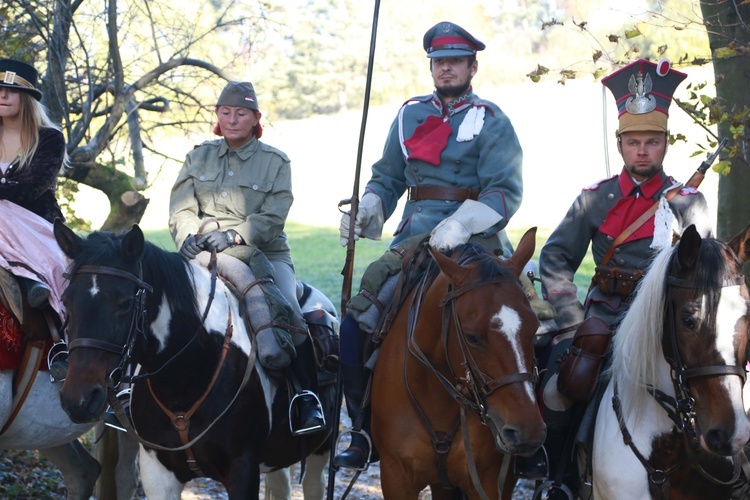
(490, 162)
(567, 246)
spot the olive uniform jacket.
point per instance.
(591, 219)
(248, 189)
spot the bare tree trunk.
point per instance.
(727, 22)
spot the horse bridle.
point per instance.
(474, 381)
(681, 408)
(137, 322)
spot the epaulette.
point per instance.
(270, 149)
(213, 142)
(595, 186)
(420, 98)
(688, 191)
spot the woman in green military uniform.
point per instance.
(246, 186)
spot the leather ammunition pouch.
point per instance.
(325, 339)
(616, 280)
(581, 363)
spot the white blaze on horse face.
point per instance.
(508, 321)
(94, 286)
(732, 307)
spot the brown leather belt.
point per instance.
(417, 193)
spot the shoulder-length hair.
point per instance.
(33, 116)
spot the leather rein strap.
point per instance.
(681, 408)
(474, 382)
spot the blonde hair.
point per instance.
(33, 116)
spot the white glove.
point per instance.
(472, 217)
(369, 220)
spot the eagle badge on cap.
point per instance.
(642, 102)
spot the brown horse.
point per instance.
(453, 390)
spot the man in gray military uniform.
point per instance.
(607, 215)
(458, 158)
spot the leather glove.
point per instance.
(369, 220)
(472, 217)
(218, 240)
(543, 309)
(190, 247)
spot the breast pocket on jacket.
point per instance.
(254, 193)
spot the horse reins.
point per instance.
(681, 408)
(137, 327)
(474, 382)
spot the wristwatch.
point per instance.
(233, 237)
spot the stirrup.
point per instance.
(110, 417)
(550, 486)
(305, 430)
(351, 431)
(57, 361)
(534, 470)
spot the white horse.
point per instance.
(672, 421)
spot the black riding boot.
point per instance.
(305, 410)
(37, 293)
(356, 455)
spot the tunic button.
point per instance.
(224, 194)
(415, 169)
(610, 196)
(255, 187)
(230, 173)
(610, 238)
(617, 249)
(419, 209)
(202, 177)
(3, 180)
(420, 178)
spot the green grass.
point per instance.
(319, 257)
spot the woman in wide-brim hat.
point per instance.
(32, 152)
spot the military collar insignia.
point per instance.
(455, 106)
(641, 101)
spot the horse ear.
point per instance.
(68, 241)
(133, 243)
(524, 251)
(456, 274)
(689, 247)
(740, 245)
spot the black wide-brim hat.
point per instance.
(20, 76)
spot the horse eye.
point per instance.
(125, 306)
(473, 340)
(689, 322)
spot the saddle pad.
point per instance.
(11, 341)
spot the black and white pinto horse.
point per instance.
(672, 423)
(200, 405)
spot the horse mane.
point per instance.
(636, 349)
(165, 271)
(489, 267)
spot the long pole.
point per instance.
(348, 270)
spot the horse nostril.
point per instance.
(718, 442)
